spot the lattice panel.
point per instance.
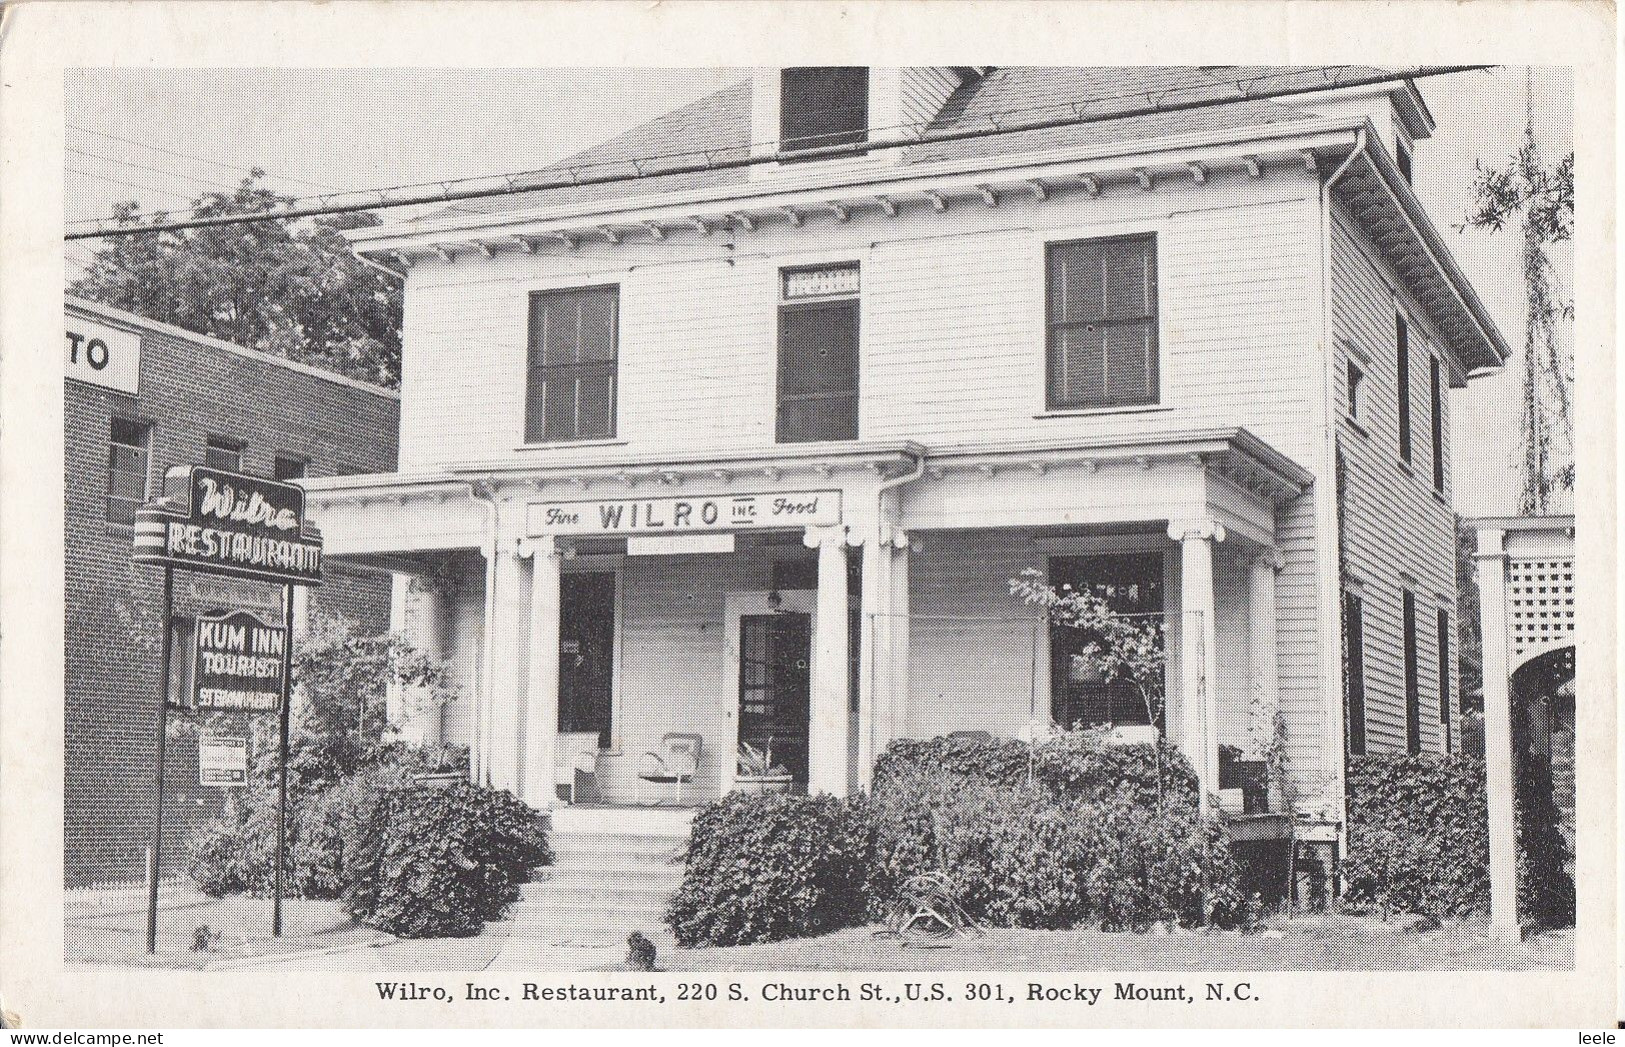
(1540, 594)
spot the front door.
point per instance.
(775, 687)
(586, 654)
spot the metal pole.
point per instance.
(156, 863)
(282, 764)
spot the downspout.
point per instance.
(1332, 582)
(479, 492)
(869, 622)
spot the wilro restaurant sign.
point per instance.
(239, 663)
(233, 524)
(668, 515)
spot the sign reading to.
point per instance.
(666, 515)
(235, 524)
(222, 761)
(240, 663)
(102, 355)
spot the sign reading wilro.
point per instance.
(239, 663)
(234, 524)
(665, 515)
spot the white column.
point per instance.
(542, 691)
(400, 621)
(1490, 562)
(1200, 661)
(502, 712)
(1261, 647)
(418, 612)
(828, 725)
(883, 652)
(895, 719)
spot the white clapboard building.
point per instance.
(740, 425)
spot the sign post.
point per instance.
(217, 522)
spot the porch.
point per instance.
(605, 642)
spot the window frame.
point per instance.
(1413, 672)
(1158, 239)
(1436, 418)
(1443, 625)
(783, 305)
(1402, 382)
(788, 150)
(1354, 734)
(302, 461)
(1354, 379)
(543, 440)
(146, 428)
(215, 442)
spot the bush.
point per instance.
(1027, 856)
(765, 867)
(1081, 764)
(441, 862)
(1417, 835)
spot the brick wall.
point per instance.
(190, 391)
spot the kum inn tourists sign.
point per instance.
(239, 663)
(666, 515)
(233, 524)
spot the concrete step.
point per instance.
(617, 843)
(622, 873)
(609, 894)
(655, 821)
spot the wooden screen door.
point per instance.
(775, 687)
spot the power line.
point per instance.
(153, 170)
(567, 176)
(199, 159)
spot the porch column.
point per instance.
(502, 713)
(418, 612)
(829, 722)
(1490, 562)
(542, 691)
(1261, 645)
(883, 654)
(1199, 660)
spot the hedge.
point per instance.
(763, 867)
(1418, 839)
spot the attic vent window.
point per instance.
(823, 105)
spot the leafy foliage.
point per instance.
(765, 866)
(441, 862)
(291, 289)
(1419, 839)
(344, 679)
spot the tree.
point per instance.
(293, 289)
(1541, 198)
(344, 681)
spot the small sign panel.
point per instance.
(678, 544)
(239, 663)
(222, 761)
(734, 512)
(104, 356)
(822, 282)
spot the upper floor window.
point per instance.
(823, 105)
(1356, 383)
(1413, 694)
(818, 354)
(290, 467)
(223, 453)
(1436, 394)
(570, 382)
(1102, 306)
(1402, 351)
(128, 457)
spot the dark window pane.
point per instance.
(818, 372)
(1444, 676)
(221, 454)
(127, 459)
(1402, 345)
(823, 105)
(1354, 651)
(571, 357)
(1128, 363)
(1413, 698)
(1437, 396)
(288, 468)
(1102, 322)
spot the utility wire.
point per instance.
(199, 159)
(566, 175)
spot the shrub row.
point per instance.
(1418, 839)
(412, 861)
(1074, 833)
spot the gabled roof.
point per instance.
(719, 125)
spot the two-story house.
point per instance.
(745, 433)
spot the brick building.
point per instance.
(141, 397)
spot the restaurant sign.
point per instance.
(231, 524)
(677, 515)
(239, 663)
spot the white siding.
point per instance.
(1395, 525)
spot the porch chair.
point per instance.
(674, 763)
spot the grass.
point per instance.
(108, 927)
